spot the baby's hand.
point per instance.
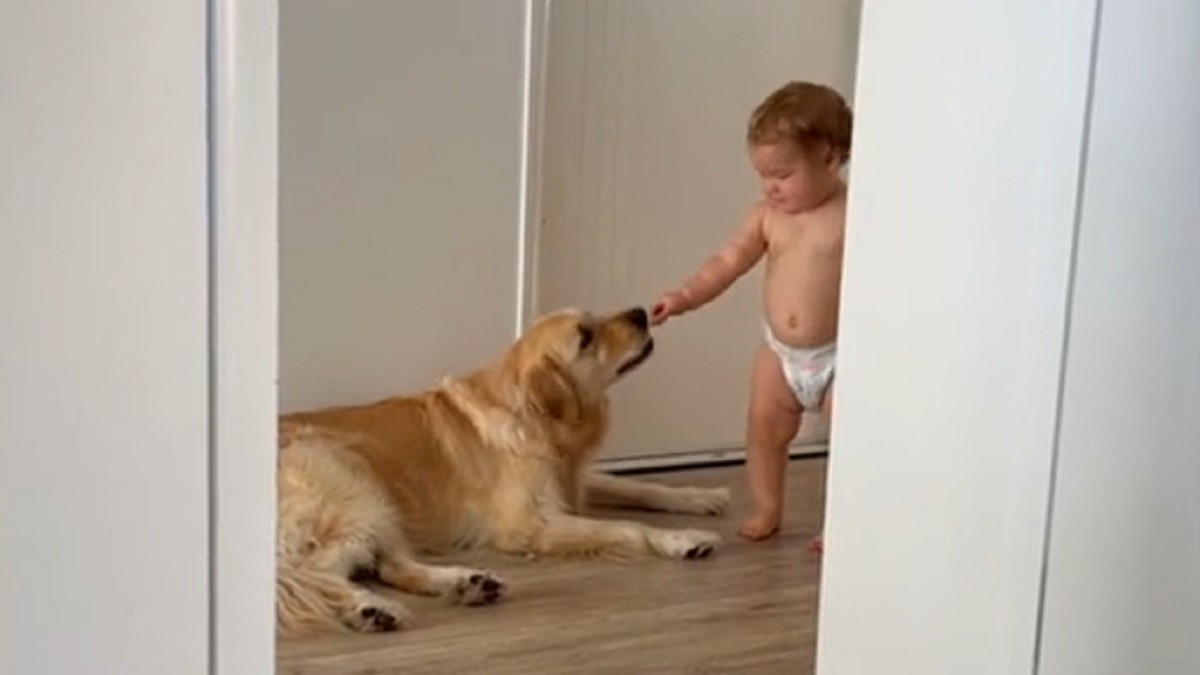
(671, 303)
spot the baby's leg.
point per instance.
(772, 422)
(817, 545)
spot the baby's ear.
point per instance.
(551, 391)
(834, 158)
(840, 157)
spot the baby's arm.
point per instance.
(740, 253)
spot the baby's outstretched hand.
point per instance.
(671, 303)
(659, 313)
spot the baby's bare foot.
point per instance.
(817, 545)
(760, 526)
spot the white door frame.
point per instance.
(244, 307)
(533, 88)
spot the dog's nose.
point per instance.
(639, 318)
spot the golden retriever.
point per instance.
(499, 459)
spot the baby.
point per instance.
(799, 140)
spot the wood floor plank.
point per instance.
(750, 609)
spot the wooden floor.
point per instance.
(749, 609)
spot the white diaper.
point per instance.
(808, 371)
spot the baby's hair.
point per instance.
(809, 115)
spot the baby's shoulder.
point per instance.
(767, 217)
(759, 212)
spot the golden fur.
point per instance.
(498, 459)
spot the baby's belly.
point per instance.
(801, 313)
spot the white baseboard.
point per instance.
(685, 460)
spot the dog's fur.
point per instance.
(497, 460)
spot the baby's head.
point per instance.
(799, 139)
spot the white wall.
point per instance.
(968, 137)
(103, 348)
(400, 158)
(646, 174)
(1123, 585)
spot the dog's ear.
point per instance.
(552, 391)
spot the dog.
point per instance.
(499, 459)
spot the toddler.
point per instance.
(798, 140)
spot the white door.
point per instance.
(104, 349)
(962, 214)
(644, 173)
(1122, 588)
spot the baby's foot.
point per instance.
(816, 545)
(760, 526)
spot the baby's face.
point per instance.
(792, 180)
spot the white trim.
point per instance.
(533, 77)
(683, 460)
(244, 308)
(541, 60)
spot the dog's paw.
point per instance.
(702, 501)
(479, 587)
(376, 614)
(688, 544)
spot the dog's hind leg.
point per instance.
(309, 600)
(333, 518)
(462, 585)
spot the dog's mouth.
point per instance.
(637, 359)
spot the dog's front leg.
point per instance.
(563, 535)
(609, 490)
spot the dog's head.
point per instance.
(568, 359)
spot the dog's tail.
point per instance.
(310, 601)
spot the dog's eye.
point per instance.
(586, 336)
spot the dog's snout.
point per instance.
(638, 317)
